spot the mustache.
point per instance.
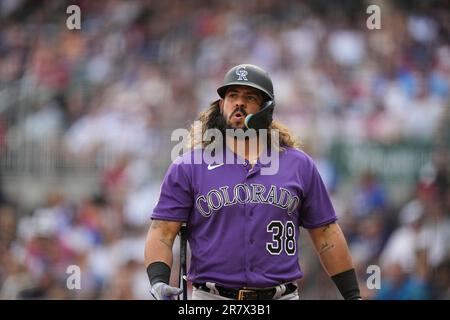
(239, 109)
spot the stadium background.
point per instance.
(86, 117)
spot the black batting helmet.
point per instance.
(247, 75)
(255, 77)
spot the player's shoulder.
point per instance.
(188, 158)
(182, 165)
(297, 155)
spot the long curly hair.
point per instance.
(212, 118)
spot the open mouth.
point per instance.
(238, 115)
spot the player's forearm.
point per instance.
(158, 248)
(331, 246)
(332, 249)
(159, 244)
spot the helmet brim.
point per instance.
(223, 89)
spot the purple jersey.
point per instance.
(243, 226)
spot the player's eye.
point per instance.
(251, 98)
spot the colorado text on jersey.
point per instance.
(243, 193)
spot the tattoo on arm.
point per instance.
(324, 229)
(165, 239)
(325, 247)
(167, 243)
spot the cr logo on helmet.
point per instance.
(242, 74)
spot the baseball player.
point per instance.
(242, 225)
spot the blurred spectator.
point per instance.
(403, 244)
(370, 239)
(370, 196)
(401, 285)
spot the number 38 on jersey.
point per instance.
(283, 238)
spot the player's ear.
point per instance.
(221, 102)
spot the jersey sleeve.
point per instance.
(316, 209)
(175, 200)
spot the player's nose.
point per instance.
(240, 103)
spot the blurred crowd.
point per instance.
(139, 69)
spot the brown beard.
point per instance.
(228, 122)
